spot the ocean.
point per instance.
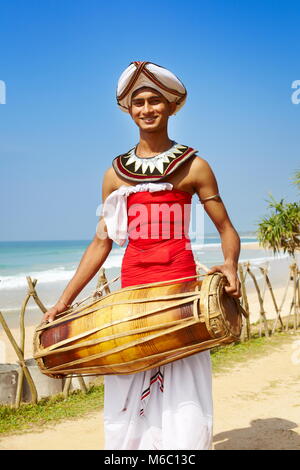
(53, 263)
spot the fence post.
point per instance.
(246, 321)
(21, 359)
(262, 312)
(278, 317)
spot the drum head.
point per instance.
(231, 312)
(222, 312)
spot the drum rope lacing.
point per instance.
(186, 297)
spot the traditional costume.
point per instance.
(169, 407)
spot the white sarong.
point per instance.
(169, 407)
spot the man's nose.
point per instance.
(147, 108)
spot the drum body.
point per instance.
(138, 328)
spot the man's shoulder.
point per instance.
(110, 177)
(109, 183)
(199, 164)
(200, 171)
(109, 173)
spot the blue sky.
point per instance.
(60, 127)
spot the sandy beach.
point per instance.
(251, 246)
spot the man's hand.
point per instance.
(50, 315)
(234, 288)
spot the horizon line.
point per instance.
(215, 235)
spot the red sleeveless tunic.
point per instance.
(159, 248)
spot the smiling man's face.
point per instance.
(150, 110)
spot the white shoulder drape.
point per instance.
(114, 209)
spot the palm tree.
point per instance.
(281, 229)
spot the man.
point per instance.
(179, 415)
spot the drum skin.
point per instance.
(138, 328)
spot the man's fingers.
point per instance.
(214, 269)
(49, 316)
(234, 286)
(233, 289)
(46, 318)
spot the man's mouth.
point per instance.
(149, 120)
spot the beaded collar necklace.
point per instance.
(134, 168)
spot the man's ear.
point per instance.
(172, 107)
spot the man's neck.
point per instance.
(151, 144)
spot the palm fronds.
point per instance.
(281, 230)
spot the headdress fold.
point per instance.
(147, 74)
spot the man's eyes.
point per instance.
(141, 103)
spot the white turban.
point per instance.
(146, 74)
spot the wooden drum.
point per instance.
(140, 327)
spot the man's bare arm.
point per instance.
(206, 186)
(91, 261)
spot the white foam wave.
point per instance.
(200, 246)
(63, 274)
(49, 275)
(59, 274)
(256, 262)
(16, 308)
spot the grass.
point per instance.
(50, 410)
(57, 408)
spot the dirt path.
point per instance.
(256, 406)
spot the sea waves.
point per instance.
(58, 274)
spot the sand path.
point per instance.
(256, 406)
